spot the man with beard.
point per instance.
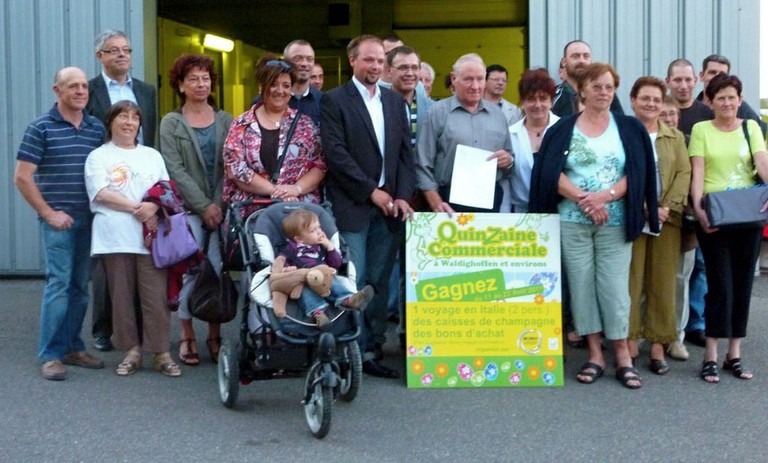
(304, 97)
(576, 56)
(370, 179)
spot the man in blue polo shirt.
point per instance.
(50, 176)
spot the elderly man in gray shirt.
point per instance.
(462, 119)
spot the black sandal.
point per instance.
(626, 375)
(736, 368)
(709, 370)
(590, 370)
(659, 367)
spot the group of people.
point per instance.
(379, 148)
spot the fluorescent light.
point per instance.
(218, 43)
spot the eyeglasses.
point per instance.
(408, 67)
(278, 62)
(115, 51)
(598, 87)
(196, 80)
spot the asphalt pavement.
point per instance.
(97, 416)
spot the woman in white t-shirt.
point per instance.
(117, 175)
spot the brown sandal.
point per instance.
(214, 345)
(165, 365)
(130, 364)
(187, 354)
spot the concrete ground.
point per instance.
(98, 416)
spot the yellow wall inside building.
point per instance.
(497, 45)
(236, 81)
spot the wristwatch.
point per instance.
(612, 192)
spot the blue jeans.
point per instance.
(65, 297)
(697, 291)
(311, 301)
(372, 250)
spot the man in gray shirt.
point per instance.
(463, 119)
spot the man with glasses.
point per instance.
(304, 97)
(495, 86)
(403, 66)
(113, 50)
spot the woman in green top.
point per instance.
(652, 273)
(722, 157)
(191, 142)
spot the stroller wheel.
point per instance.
(229, 373)
(319, 405)
(351, 370)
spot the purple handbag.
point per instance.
(174, 241)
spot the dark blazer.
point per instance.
(640, 169)
(353, 155)
(146, 97)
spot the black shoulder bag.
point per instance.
(213, 297)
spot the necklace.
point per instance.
(266, 116)
(533, 130)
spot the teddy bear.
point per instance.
(289, 284)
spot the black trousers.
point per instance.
(730, 255)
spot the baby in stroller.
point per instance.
(308, 246)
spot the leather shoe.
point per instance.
(378, 352)
(696, 337)
(83, 360)
(678, 351)
(374, 368)
(54, 370)
(103, 344)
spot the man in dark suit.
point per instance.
(366, 140)
(113, 50)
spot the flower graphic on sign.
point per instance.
(417, 366)
(534, 373)
(479, 363)
(550, 363)
(441, 370)
(464, 219)
(539, 299)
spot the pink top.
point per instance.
(243, 145)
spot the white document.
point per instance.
(473, 182)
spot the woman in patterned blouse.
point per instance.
(257, 138)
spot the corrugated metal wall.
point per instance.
(641, 37)
(39, 37)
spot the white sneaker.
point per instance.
(678, 351)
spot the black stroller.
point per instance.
(269, 346)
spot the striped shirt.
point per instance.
(59, 150)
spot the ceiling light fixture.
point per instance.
(218, 43)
